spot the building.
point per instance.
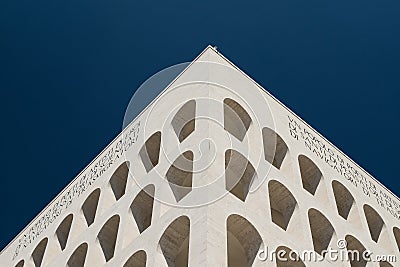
(215, 172)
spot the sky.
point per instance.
(69, 68)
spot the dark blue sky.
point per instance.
(69, 68)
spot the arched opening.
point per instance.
(184, 120)
(108, 237)
(355, 252)
(38, 252)
(243, 241)
(310, 174)
(138, 259)
(321, 230)
(63, 230)
(275, 148)
(396, 233)
(141, 210)
(345, 203)
(174, 242)
(239, 174)
(20, 263)
(236, 119)
(285, 257)
(179, 175)
(282, 204)
(150, 151)
(344, 199)
(142, 207)
(375, 222)
(118, 180)
(89, 207)
(78, 257)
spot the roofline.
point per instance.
(300, 119)
(98, 155)
(155, 99)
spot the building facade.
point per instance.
(215, 172)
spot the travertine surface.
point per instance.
(213, 170)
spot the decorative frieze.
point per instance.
(79, 185)
(343, 166)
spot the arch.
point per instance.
(89, 207)
(108, 237)
(275, 149)
(346, 204)
(184, 120)
(243, 241)
(375, 222)
(179, 175)
(141, 210)
(310, 174)
(174, 242)
(150, 151)
(287, 258)
(20, 263)
(38, 252)
(355, 251)
(236, 119)
(142, 207)
(396, 233)
(78, 257)
(344, 199)
(239, 174)
(282, 203)
(322, 230)
(138, 259)
(63, 230)
(118, 180)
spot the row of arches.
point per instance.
(179, 175)
(77, 258)
(345, 202)
(243, 244)
(141, 209)
(236, 121)
(283, 204)
(183, 124)
(173, 243)
(240, 174)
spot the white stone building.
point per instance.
(214, 172)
